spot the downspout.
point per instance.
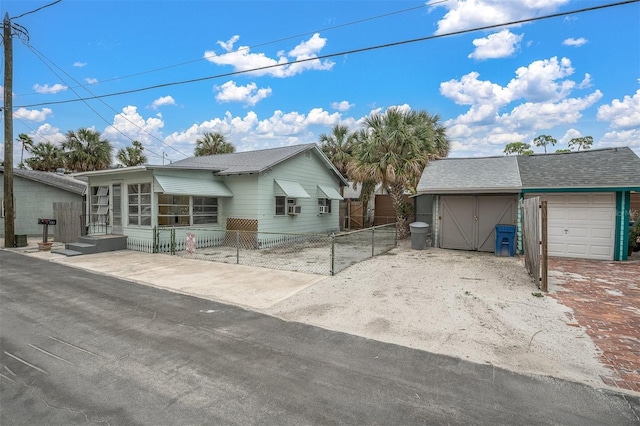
(623, 200)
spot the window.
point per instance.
(173, 210)
(324, 205)
(99, 204)
(205, 210)
(139, 204)
(183, 210)
(281, 208)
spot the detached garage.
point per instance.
(587, 194)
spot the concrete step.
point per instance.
(105, 242)
(83, 248)
(67, 252)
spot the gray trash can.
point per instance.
(419, 234)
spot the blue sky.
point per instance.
(568, 76)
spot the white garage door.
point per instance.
(581, 225)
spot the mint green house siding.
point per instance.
(243, 185)
(34, 200)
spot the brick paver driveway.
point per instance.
(605, 298)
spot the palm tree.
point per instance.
(338, 146)
(27, 144)
(583, 143)
(394, 149)
(86, 151)
(46, 157)
(132, 155)
(212, 144)
(544, 140)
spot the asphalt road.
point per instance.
(80, 348)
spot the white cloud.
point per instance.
(575, 42)
(630, 138)
(249, 94)
(622, 114)
(91, 80)
(497, 45)
(80, 64)
(162, 101)
(342, 106)
(46, 89)
(537, 98)
(543, 80)
(243, 60)
(48, 133)
(32, 115)
(130, 123)
(320, 116)
(466, 14)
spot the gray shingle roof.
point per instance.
(597, 168)
(64, 182)
(471, 175)
(604, 168)
(249, 161)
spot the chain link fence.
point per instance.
(311, 253)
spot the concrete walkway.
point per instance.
(246, 286)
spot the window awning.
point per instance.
(290, 189)
(190, 186)
(329, 193)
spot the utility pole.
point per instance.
(7, 37)
(9, 209)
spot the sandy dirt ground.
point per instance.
(470, 305)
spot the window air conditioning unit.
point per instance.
(323, 209)
(294, 210)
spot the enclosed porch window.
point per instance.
(139, 197)
(185, 210)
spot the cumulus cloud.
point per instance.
(162, 101)
(630, 138)
(32, 114)
(46, 89)
(79, 64)
(575, 42)
(496, 45)
(465, 14)
(622, 114)
(342, 106)
(538, 97)
(48, 133)
(243, 59)
(130, 123)
(249, 94)
(91, 80)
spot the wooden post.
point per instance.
(9, 209)
(545, 252)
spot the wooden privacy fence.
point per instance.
(534, 235)
(68, 221)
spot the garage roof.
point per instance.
(471, 175)
(597, 168)
(606, 168)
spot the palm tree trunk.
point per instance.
(396, 191)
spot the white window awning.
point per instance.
(190, 186)
(328, 192)
(289, 189)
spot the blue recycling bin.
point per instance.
(505, 240)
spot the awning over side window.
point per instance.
(289, 189)
(189, 186)
(328, 192)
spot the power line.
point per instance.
(35, 10)
(346, 52)
(359, 21)
(41, 57)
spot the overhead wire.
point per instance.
(42, 58)
(248, 48)
(342, 53)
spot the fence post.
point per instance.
(156, 238)
(333, 253)
(545, 252)
(373, 242)
(237, 247)
(173, 241)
